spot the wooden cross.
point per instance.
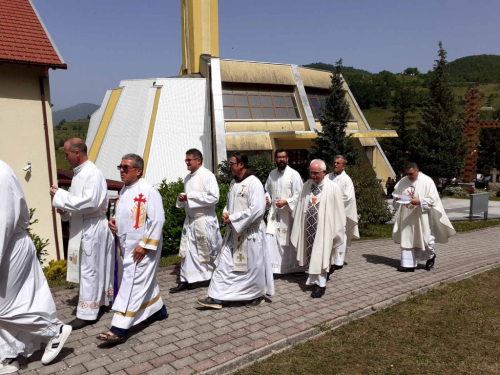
(139, 201)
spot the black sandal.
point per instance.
(111, 338)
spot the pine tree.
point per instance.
(332, 139)
(402, 120)
(439, 146)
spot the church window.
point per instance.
(317, 99)
(252, 101)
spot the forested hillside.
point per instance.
(480, 69)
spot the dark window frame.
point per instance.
(260, 90)
(320, 96)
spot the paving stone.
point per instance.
(98, 363)
(203, 365)
(140, 368)
(119, 365)
(184, 362)
(160, 361)
(203, 339)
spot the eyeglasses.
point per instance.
(190, 160)
(231, 163)
(335, 163)
(410, 174)
(125, 168)
(281, 157)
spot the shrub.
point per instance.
(56, 269)
(263, 165)
(40, 244)
(498, 193)
(372, 207)
(456, 191)
(174, 217)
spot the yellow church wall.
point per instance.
(23, 139)
(315, 78)
(254, 72)
(200, 32)
(254, 142)
(264, 126)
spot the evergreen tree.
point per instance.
(439, 146)
(332, 139)
(402, 120)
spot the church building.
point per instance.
(219, 106)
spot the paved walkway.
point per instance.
(458, 209)
(215, 342)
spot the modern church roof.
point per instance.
(24, 38)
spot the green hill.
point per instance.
(63, 132)
(480, 69)
(331, 68)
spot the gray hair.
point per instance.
(322, 164)
(138, 162)
(340, 157)
(413, 166)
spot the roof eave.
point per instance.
(53, 66)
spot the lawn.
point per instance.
(451, 330)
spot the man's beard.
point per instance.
(281, 165)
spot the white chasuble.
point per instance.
(201, 239)
(418, 228)
(282, 185)
(243, 270)
(349, 197)
(330, 226)
(139, 218)
(28, 316)
(91, 254)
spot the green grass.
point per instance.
(377, 117)
(71, 131)
(170, 260)
(451, 330)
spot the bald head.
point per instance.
(317, 170)
(76, 151)
(76, 144)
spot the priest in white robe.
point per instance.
(138, 224)
(243, 270)
(421, 220)
(342, 179)
(319, 226)
(201, 238)
(91, 253)
(282, 190)
(28, 316)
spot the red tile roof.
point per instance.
(23, 38)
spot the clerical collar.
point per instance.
(133, 183)
(78, 169)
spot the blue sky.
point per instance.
(106, 41)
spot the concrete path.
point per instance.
(216, 342)
(458, 209)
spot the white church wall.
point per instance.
(126, 125)
(95, 120)
(182, 122)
